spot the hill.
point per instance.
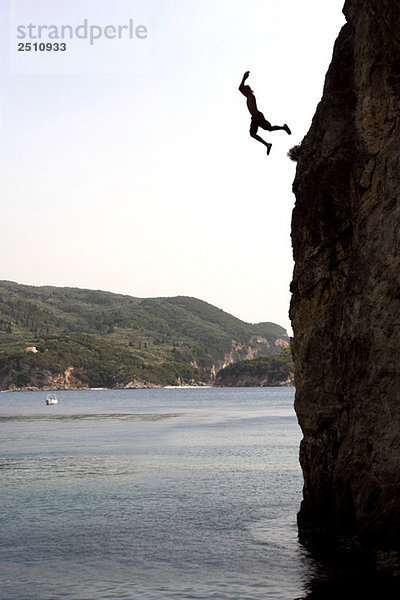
(69, 337)
(258, 372)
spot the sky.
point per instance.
(126, 161)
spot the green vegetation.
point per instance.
(263, 371)
(111, 339)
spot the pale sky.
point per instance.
(127, 164)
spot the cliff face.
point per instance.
(257, 347)
(251, 379)
(36, 378)
(265, 371)
(345, 307)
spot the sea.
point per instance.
(156, 494)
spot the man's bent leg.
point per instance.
(259, 139)
(267, 125)
(253, 133)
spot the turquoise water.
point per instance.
(150, 494)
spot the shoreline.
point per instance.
(103, 389)
(145, 387)
(159, 387)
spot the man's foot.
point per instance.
(269, 146)
(286, 128)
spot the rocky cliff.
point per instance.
(37, 378)
(265, 371)
(345, 307)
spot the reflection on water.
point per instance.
(347, 576)
(352, 586)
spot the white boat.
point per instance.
(51, 399)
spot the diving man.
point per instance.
(257, 117)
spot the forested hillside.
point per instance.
(67, 337)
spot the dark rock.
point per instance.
(346, 290)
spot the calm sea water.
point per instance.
(151, 494)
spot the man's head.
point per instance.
(247, 89)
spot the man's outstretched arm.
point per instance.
(241, 86)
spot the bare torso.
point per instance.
(251, 104)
